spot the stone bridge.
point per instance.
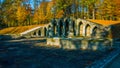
(68, 27)
(71, 33)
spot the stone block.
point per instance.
(72, 43)
(54, 42)
(68, 44)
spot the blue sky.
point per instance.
(32, 3)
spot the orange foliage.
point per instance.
(17, 30)
(105, 22)
(41, 13)
(21, 13)
(59, 14)
(44, 12)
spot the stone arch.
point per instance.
(71, 31)
(39, 32)
(60, 27)
(55, 29)
(49, 26)
(66, 26)
(45, 31)
(74, 28)
(54, 26)
(50, 31)
(34, 33)
(80, 29)
(87, 30)
(94, 31)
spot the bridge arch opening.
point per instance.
(39, 33)
(60, 28)
(94, 31)
(66, 27)
(74, 29)
(45, 31)
(34, 33)
(87, 30)
(80, 29)
(55, 28)
(50, 31)
(71, 30)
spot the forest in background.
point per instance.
(24, 13)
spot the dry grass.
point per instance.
(17, 30)
(105, 22)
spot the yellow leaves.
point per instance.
(59, 14)
(63, 4)
(21, 13)
(105, 22)
(43, 12)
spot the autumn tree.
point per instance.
(117, 9)
(41, 13)
(8, 12)
(22, 12)
(107, 10)
(21, 15)
(65, 6)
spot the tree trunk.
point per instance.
(82, 12)
(93, 13)
(87, 12)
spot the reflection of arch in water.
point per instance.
(87, 30)
(80, 29)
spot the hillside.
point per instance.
(17, 30)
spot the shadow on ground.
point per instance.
(24, 54)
